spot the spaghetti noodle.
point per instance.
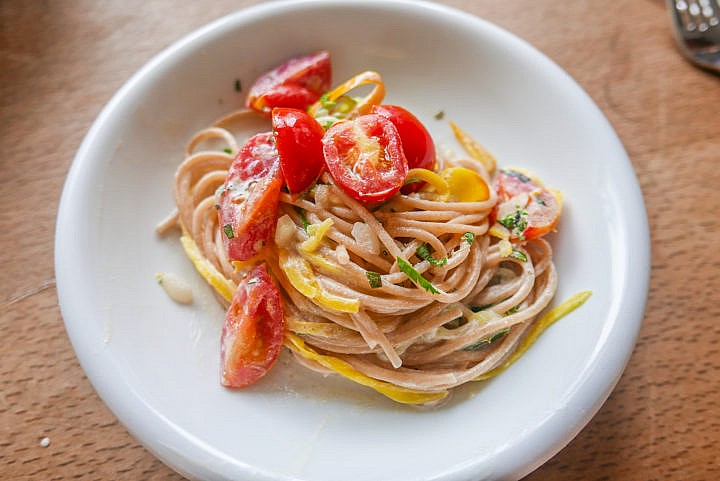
(412, 297)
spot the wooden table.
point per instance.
(60, 62)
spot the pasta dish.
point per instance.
(344, 235)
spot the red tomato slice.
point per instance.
(249, 199)
(287, 95)
(365, 157)
(299, 143)
(297, 83)
(525, 207)
(417, 143)
(253, 331)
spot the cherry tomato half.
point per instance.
(252, 334)
(365, 157)
(298, 138)
(417, 143)
(297, 83)
(525, 207)
(249, 198)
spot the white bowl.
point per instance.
(155, 363)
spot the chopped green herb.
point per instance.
(344, 105)
(469, 237)
(477, 345)
(238, 85)
(373, 279)
(423, 252)
(227, 150)
(539, 200)
(415, 276)
(518, 175)
(303, 218)
(515, 222)
(513, 310)
(440, 115)
(326, 102)
(519, 255)
(480, 308)
(326, 124)
(412, 180)
(499, 334)
(455, 323)
(227, 228)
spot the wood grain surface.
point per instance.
(61, 61)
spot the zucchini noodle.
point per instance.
(460, 311)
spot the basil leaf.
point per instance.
(519, 255)
(423, 252)
(480, 308)
(515, 222)
(412, 180)
(303, 218)
(477, 345)
(326, 102)
(415, 276)
(518, 175)
(469, 237)
(373, 279)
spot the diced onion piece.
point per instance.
(505, 248)
(394, 392)
(499, 231)
(512, 205)
(342, 255)
(363, 235)
(285, 230)
(176, 287)
(485, 316)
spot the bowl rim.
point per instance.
(155, 426)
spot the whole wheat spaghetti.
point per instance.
(412, 296)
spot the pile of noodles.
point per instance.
(409, 342)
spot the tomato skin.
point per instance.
(297, 83)
(249, 200)
(528, 201)
(252, 334)
(286, 95)
(298, 138)
(365, 157)
(417, 143)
